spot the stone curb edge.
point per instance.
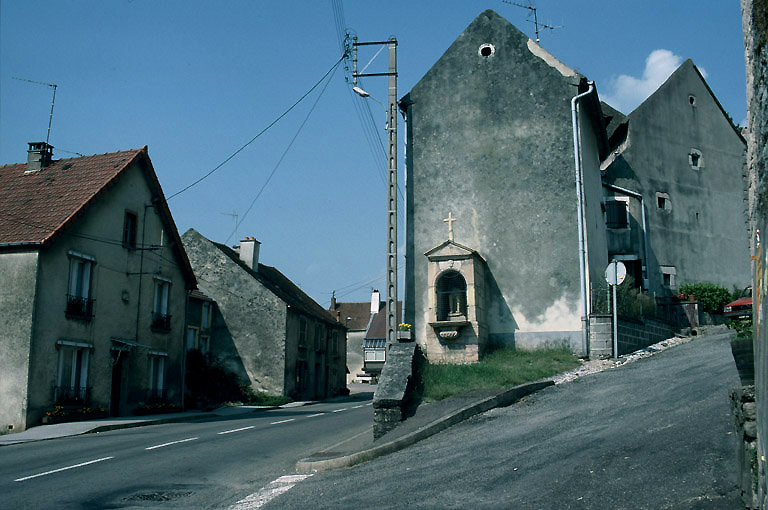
(503, 399)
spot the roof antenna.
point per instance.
(50, 117)
(234, 217)
(535, 21)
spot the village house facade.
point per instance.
(266, 330)
(94, 286)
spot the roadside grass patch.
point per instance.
(499, 369)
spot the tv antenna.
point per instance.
(535, 21)
(50, 117)
(234, 217)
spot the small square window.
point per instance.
(668, 276)
(663, 202)
(695, 159)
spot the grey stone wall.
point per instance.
(744, 412)
(390, 398)
(17, 304)
(755, 24)
(636, 335)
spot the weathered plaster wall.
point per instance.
(255, 318)
(755, 23)
(489, 139)
(115, 276)
(17, 304)
(704, 234)
(354, 354)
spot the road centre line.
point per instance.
(269, 492)
(369, 404)
(282, 421)
(313, 415)
(236, 430)
(358, 407)
(172, 442)
(340, 410)
(63, 469)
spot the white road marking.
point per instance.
(358, 407)
(282, 421)
(237, 430)
(369, 404)
(313, 415)
(63, 469)
(340, 410)
(268, 493)
(172, 442)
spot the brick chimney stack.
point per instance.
(249, 252)
(39, 156)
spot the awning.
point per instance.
(125, 345)
(374, 343)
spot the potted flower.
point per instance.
(404, 332)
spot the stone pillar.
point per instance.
(600, 336)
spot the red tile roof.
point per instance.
(35, 206)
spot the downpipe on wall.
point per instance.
(580, 217)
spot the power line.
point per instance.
(284, 152)
(260, 132)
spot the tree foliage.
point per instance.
(712, 297)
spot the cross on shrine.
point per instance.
(449, 220)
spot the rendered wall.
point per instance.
(123, 304)
(490, 140)
(17, 304)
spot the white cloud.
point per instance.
(625, 93)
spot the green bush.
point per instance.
(743, 327)
(711, 296)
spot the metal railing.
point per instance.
(79, 307)
(161, 322)
(68, 395)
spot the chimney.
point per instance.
(249, 252)
(38, 156)
(375, 301)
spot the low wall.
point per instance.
(390, 398)
(634, 335)
(600, 336)
(744, 412)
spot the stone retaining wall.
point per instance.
(634, 335)
(744, 411)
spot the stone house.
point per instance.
(674, 189)
(266, 330)
(375, 341)
(491, 153)
(94, 285)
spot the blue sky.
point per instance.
(196, 80)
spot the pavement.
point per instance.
(429, 418)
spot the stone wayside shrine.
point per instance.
(456, 331)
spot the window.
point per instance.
(72, 373)
(206, 321)
(616, 213)
(191, 338)
(695, 159)
(205, 344)
(129, 230)
(668, 274)
(451, 296)
(156, 375)
(79, 302)
(318, 337)
(302, 332)
(161, 319)
(662, 202)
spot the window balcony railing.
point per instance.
(161, 322)
(79, 307)
(69, 395)
(155, 395)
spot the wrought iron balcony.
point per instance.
(161, 322)
(79, 307)
(71, 395)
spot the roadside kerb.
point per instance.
(502, 399)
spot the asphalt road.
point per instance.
(202, 464)
(655, 434)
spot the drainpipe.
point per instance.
(580, 217)
(645, 232)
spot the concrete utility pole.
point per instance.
(392, 181)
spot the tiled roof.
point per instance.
(36, 206)
(378, 329)
(354, 316)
